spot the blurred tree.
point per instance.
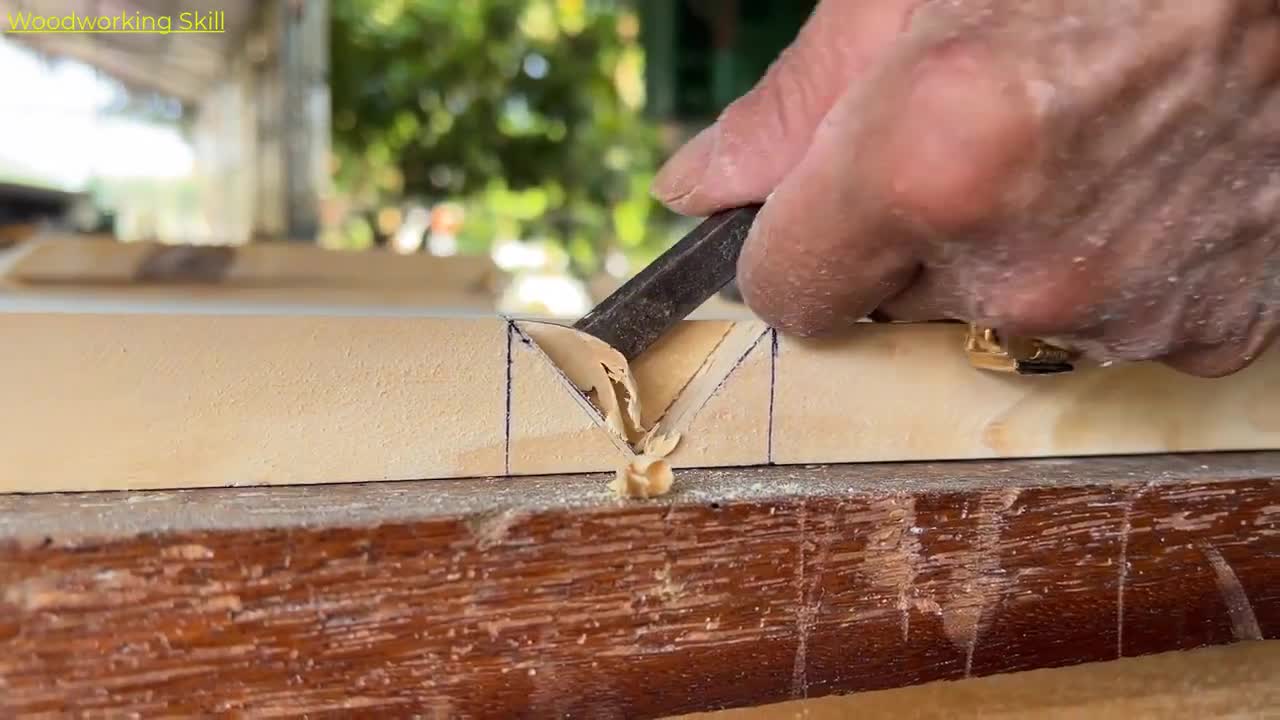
(528, 112)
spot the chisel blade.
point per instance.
(672, 286)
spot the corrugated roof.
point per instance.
(178, 64)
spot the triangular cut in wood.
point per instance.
(598, 372)
(664, 370)
(103, 401)
(645, 389)
(722, 416)
(552, 423)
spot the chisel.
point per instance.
(704, 261)
(672, 286)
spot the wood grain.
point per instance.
(543, 597)
(313, 397)
(115, 402)
(890, 392)
(1236, 681)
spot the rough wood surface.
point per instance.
(544, 597)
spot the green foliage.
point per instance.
(528, 112)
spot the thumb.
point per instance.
(758, 139)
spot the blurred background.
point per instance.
(498, 149)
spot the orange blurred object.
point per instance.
(447, 219)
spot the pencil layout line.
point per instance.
(506, 431)
(736, 364)
(773, 384)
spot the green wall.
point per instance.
(689, 79)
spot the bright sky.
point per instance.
(53, 126)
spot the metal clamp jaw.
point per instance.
(1022, 356)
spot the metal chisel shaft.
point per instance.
(672, 286)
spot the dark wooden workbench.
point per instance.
(545, 597)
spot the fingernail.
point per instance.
(682, 174)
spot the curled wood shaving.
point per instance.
(648, 475)
(599, 371)
(603, 376)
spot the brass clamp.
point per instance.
(1023, 356)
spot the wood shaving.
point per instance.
(648, 475)
(596, 369)
(603, 376)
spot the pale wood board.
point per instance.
(1234, 681)
(101, 402)
(895, 393)
(113, 401)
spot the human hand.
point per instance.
(1103, 174)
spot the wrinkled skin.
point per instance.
(1101, 173)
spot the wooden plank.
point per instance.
(149, 400)
(889, 393)
(146, 401)
(546, 597)
(1236, 681)
(54, 270)
(12, 233)
(53, 259)
(262, 299)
